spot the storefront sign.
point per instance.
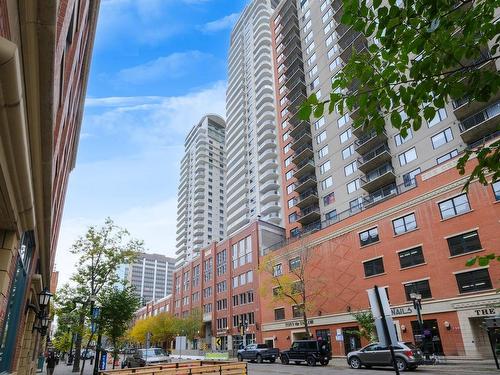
(339, 337)
(298, 323)
(397, 311)
(485, 312)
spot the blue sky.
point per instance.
(158, 66)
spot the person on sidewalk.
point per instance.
(51, 363)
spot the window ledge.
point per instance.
(452, 217)
(402, 234)
(464, 254)
(378, 274)
(370, 244)
(410, 267)
(478, 291)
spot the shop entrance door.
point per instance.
(480, 335)
(428, 338)
(351, 340)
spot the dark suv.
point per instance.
(309, 351)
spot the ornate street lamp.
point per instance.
(44, 298)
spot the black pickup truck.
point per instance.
(259, 353)
(309, 351)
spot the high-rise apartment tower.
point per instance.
(253, 174)
(355, 168)
(200, 210)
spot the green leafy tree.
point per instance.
(100, 252)
(191, 325)
(424, 53)
(366, 324)
(117, 310)
(164, 328)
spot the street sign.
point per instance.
(95, 317)
(339, 337)
(218, 342)
(104, 359)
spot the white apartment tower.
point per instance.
(253, 174)
(200, 207)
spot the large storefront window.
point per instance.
(427, 338)
(9, 333)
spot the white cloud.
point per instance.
(223, 23)
(142, 178)
(175, 65)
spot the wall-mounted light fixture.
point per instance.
(447, 325)
(403, 328)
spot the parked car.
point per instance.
(259, 353)
(143, 357)
(408, 356)
(310, 351)
(87, 354)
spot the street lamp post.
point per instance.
(417, 304)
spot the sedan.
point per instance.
(407, 356)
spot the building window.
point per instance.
(325, 167)
(421, 287)
(277, 270)
(411, 257)
(464, 243)
(319, 123)
(279, 314)
(404, 224)
(400, 140)
(442, 138)
(292, 202)
(242, 252)
(331, 216)
(313, 71)
(409, 178)
(335, 63)
(440, 116)
(321, 137)
(343, 120)
(407, 156)
(288, 161)
(333, 51)
(314, 84)
(326, 183)
(373, 267)
(298, 311)
(329, 198)
(347, 152)
(289, 174)
(290, 188)
(323, 152)
(473, 281)
(287, 148)
(356, 205)
(311, 59)
(454, 206)
(294, 263)
(496, 190)
(292, 218)
(345, 136)
(350, 168)
(309, 37)
(447, 156)
(368, 236)
(353, 186)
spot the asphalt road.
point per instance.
(341, 367)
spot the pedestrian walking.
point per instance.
(51, 363)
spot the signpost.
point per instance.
(384, 325)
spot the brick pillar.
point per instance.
(8, 252)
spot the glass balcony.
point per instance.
(374, 158)
(309, 215)
(305, 168)
(378, 178)
(305, 183)
(308, 198)
(368, 141)
(481, 124)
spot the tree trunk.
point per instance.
(86, 351)
(78, 343)
(306, 325)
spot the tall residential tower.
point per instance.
(200, 210)
(253, 174)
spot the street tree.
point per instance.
(424, 53)
(302, 286)
(165, 327)
(191, 325)
(117, 310)
(100, 251)
(366, 323)
(139, 331)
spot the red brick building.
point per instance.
(223, 282)
(45, 52)
(417, 241)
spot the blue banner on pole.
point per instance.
(104, 359)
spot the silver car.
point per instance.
(408, 356)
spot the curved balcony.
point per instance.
(198, 210)
(265, 136)
(269, 185)
(270, 196)
(268, 154)
(269, 144)
(199, 189)
(268, 164)
(270, 207)
(265, 127)
(271, 174)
